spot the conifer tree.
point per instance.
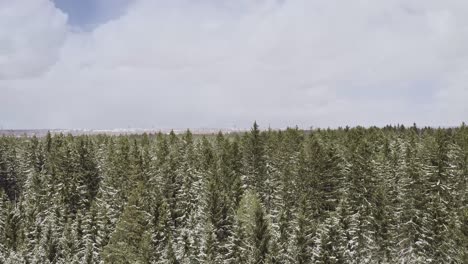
(130, 242)
(160, 220)
(237, 246)
(304, 233)
(3, 220)
(254, 163)
(346, 195)
(252, 218)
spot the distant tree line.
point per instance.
(347, 195)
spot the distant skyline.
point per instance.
(104, 64)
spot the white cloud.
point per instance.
(31, 32)
(217, 63)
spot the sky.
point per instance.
(103, 64)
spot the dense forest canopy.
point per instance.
(347, 195)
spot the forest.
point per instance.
(393, 194)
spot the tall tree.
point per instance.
(254, 160)
(131, 240)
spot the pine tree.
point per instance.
(329, 241)
(210, 247)
(46, 250)
(160, 221)
(68, 244)
(130, 242)
(346, 195)
(91, 251)
(237, 246)
(254, 162)
(441, 172)
(254, 224)
(261, 236)
(12, 226)
(187, 198)
(88, 174)
(464, 236)
(304, 233)
(362, 196)
(413, 220)
(4, 207)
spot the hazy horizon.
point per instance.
(222, 129)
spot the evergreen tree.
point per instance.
(3, 220)
(252, 218)
(254, 163)
(346, 195)
(130, 242)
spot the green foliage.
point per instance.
(251, 217)
(131, 240)
(347, 195)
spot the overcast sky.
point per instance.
(225, 63)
